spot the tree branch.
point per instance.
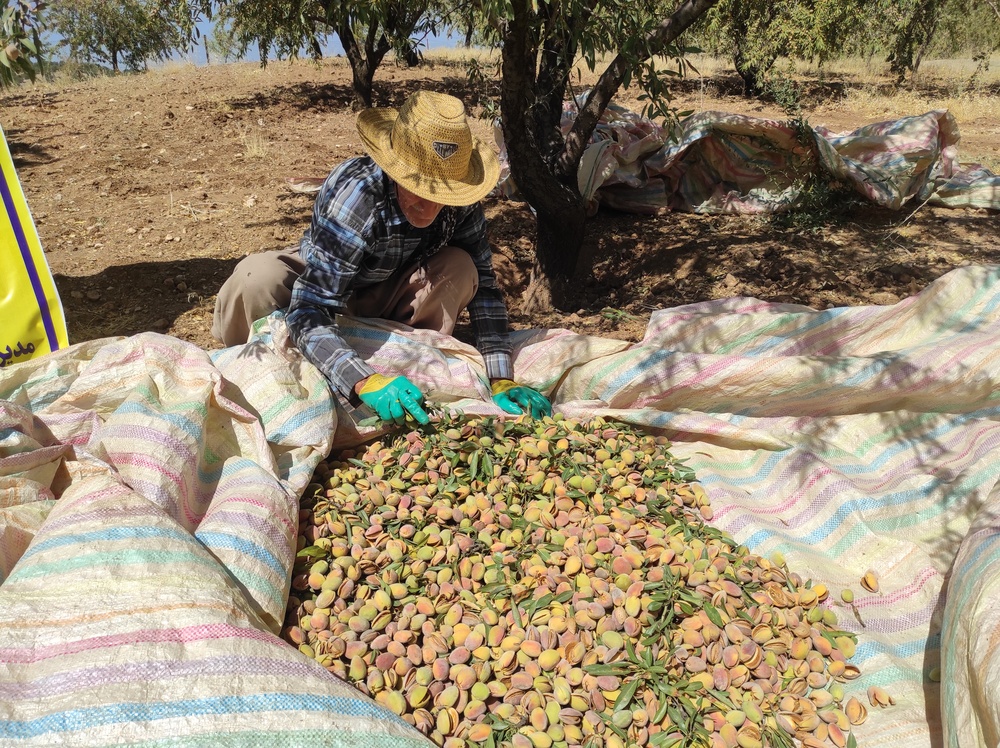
(347, 39)
(611, 79)
(995, 8)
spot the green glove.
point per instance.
(516, 399)
(392, 398)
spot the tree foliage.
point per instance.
(916, 22)
(367, 29)
(20, 26)
(967, 27)
(755, 33)
(945, 27)
(124, 35)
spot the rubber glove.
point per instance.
(517, 398)
(392, 398)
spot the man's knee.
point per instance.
(258, 271)
(259, 284)
(455, 266)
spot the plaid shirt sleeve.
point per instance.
(487, 310)
(334, 248)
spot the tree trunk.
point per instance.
(560, 224)
(559, 207)
(409, 57)
(559, 233)
(753, 79)
(362, 76)
(912, 39)
(543, 163)
(362, 72)
(922, 50)
(752, 74)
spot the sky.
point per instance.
(331, 48)
(197, 56)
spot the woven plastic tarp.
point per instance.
(148, 516)
(149, 505)
(718, 162)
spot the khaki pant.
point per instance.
(430, 298)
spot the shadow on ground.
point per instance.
(144, 296)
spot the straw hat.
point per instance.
(428, 148)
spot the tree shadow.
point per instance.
(639, 263)
(27, 152)
(727, 84)
(312, 96)
(144, 296)
(387, 91)
(303, 96)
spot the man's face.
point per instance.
(419, 211)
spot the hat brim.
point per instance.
(375, 128)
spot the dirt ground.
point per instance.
(147, 189)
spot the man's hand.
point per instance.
(392, 398)
(516, 398)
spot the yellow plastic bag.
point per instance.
(31, 315)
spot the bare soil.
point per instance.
(147, 189)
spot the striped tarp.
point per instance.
(721, 162)
(149, 501)
(148, 516)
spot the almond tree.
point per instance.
(126, 34)
(755, 33)
(944, 27)
(542, 41)
(367, 29)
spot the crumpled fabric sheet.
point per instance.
(719, 162)
(848, 439)
(148, 517)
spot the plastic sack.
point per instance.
(31, 315)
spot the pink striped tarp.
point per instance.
(144, 574)
(849, 440)
(720, 162)
(148, 517)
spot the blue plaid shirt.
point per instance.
(359, 237)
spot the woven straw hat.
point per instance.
(428, 148)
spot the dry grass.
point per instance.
(862, 71)
(869, 88)
(458, 55)
(863, 88)
(256, 146)
(867, 84)
(72, 75)
(874, 103)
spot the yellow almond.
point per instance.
(479, 733)
(869, 581)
